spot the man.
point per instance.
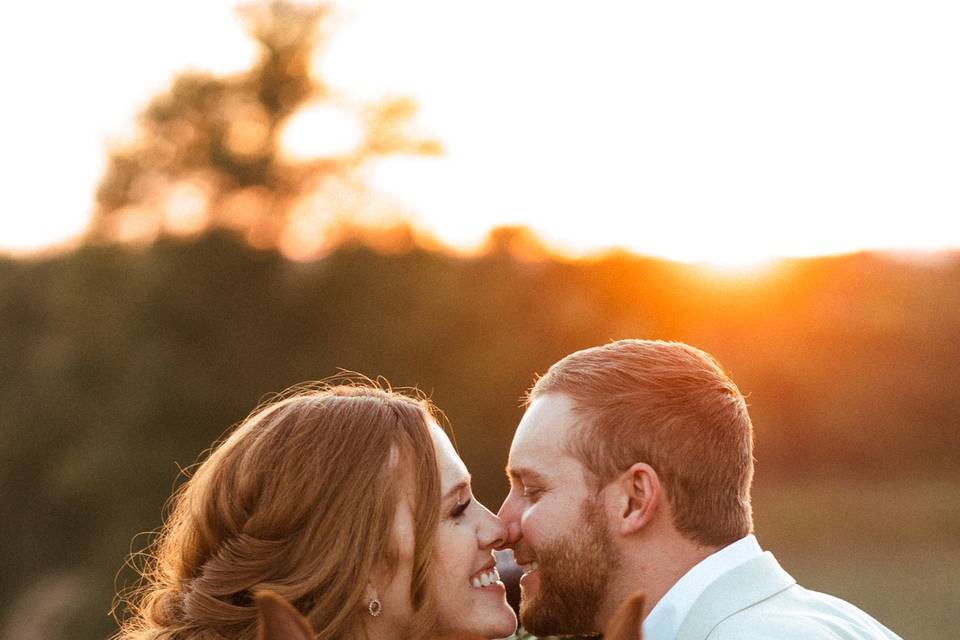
(630, 472)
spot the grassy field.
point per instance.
(890, 547)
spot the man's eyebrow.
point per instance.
(522, 473)
(457, 489)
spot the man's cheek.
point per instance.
(533, 528)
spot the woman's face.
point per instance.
(470, 598)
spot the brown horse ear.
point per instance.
(279, 620)
(625, 624)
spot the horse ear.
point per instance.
(625, 624)
(279, 620)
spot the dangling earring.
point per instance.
(374, 607)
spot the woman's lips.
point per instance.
(486, 578)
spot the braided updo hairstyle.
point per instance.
(299, 499)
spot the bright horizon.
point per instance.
(692, 131)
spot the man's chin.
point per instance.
(543, 623)
(542, 617)
(563, 595)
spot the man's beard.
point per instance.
(574, 574)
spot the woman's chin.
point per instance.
(509, 625)
(486, 620)
(500, 622)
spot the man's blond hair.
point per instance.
(671, 406)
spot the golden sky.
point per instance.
(700, 131)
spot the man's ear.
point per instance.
(640, 497)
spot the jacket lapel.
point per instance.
(739, 588)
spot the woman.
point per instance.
(349, 502)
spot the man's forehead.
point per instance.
(548, 418)
(541, 436)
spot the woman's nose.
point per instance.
(493, 532)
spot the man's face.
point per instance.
(557, 525)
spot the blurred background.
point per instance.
(205, 205)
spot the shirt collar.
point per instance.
(667, 616)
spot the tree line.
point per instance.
(119, 365)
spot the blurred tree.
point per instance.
(209, 153)
(515, 241)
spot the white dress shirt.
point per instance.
(664, 621)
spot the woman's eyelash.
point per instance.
(460, 508)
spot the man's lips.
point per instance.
(530, 579)
(527, 566)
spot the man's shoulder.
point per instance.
(801, 613)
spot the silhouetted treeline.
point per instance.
(117, 365)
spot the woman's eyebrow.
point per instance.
(458, 488)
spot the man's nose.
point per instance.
(510, 516)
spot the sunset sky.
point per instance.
(724, 132)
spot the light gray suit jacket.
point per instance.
(760, 601)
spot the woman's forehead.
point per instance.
(452, 468)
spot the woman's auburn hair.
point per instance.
(300, 500)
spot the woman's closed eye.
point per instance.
(460, 509)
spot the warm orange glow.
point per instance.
(738, 269)
(186, 207)
(249, 131)
(143, 227)
(241, 208)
